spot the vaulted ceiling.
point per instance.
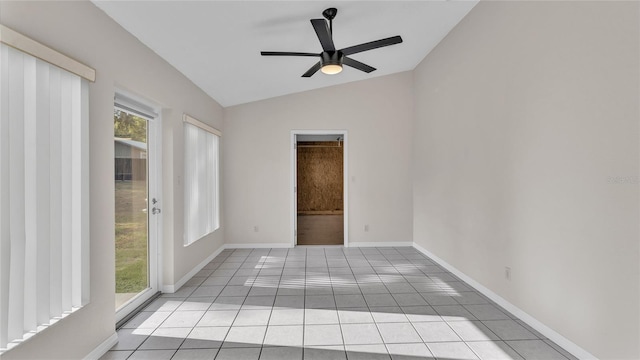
(217, 44)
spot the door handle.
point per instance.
(155, 210)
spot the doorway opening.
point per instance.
(319, 168)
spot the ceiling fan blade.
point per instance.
(357, 65)
(372, 45)
(324, 35)
(312, 70)
(283, 53)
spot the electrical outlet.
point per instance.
(507, 273)
(366, 228)
(256, 229)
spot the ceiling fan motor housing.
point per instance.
(331, 58)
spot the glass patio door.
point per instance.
(137, 208)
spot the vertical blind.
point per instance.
(44, 254)
(201, 208)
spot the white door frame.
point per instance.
(154, 221)
(155, 191)
(294, 175)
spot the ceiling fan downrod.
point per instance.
(330, 14)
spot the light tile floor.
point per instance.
(327, 303)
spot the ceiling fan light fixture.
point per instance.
(331, 62)
(331, 69)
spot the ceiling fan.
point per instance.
(331, 60)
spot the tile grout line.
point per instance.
(490, 303)
(266, 330)
(304, 304)
(159, 325)
(219, 295)
(408, 320)
(375, 323)
(344, 345)
(403, 269)
(370, 312)
(446, 322)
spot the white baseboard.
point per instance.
(257, 246)
(551, 334)
(103, 348)
(170, 289)
(287, 245)
(380, 244)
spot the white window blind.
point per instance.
(44, 233)
(127, 104)
(201, 208)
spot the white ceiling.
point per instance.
(217, 44)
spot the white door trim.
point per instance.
(155, 190)
(293, 179)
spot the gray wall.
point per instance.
(523, 114)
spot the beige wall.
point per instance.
(81, 31)
(514, 132)
(523, 114)
(377, 114)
